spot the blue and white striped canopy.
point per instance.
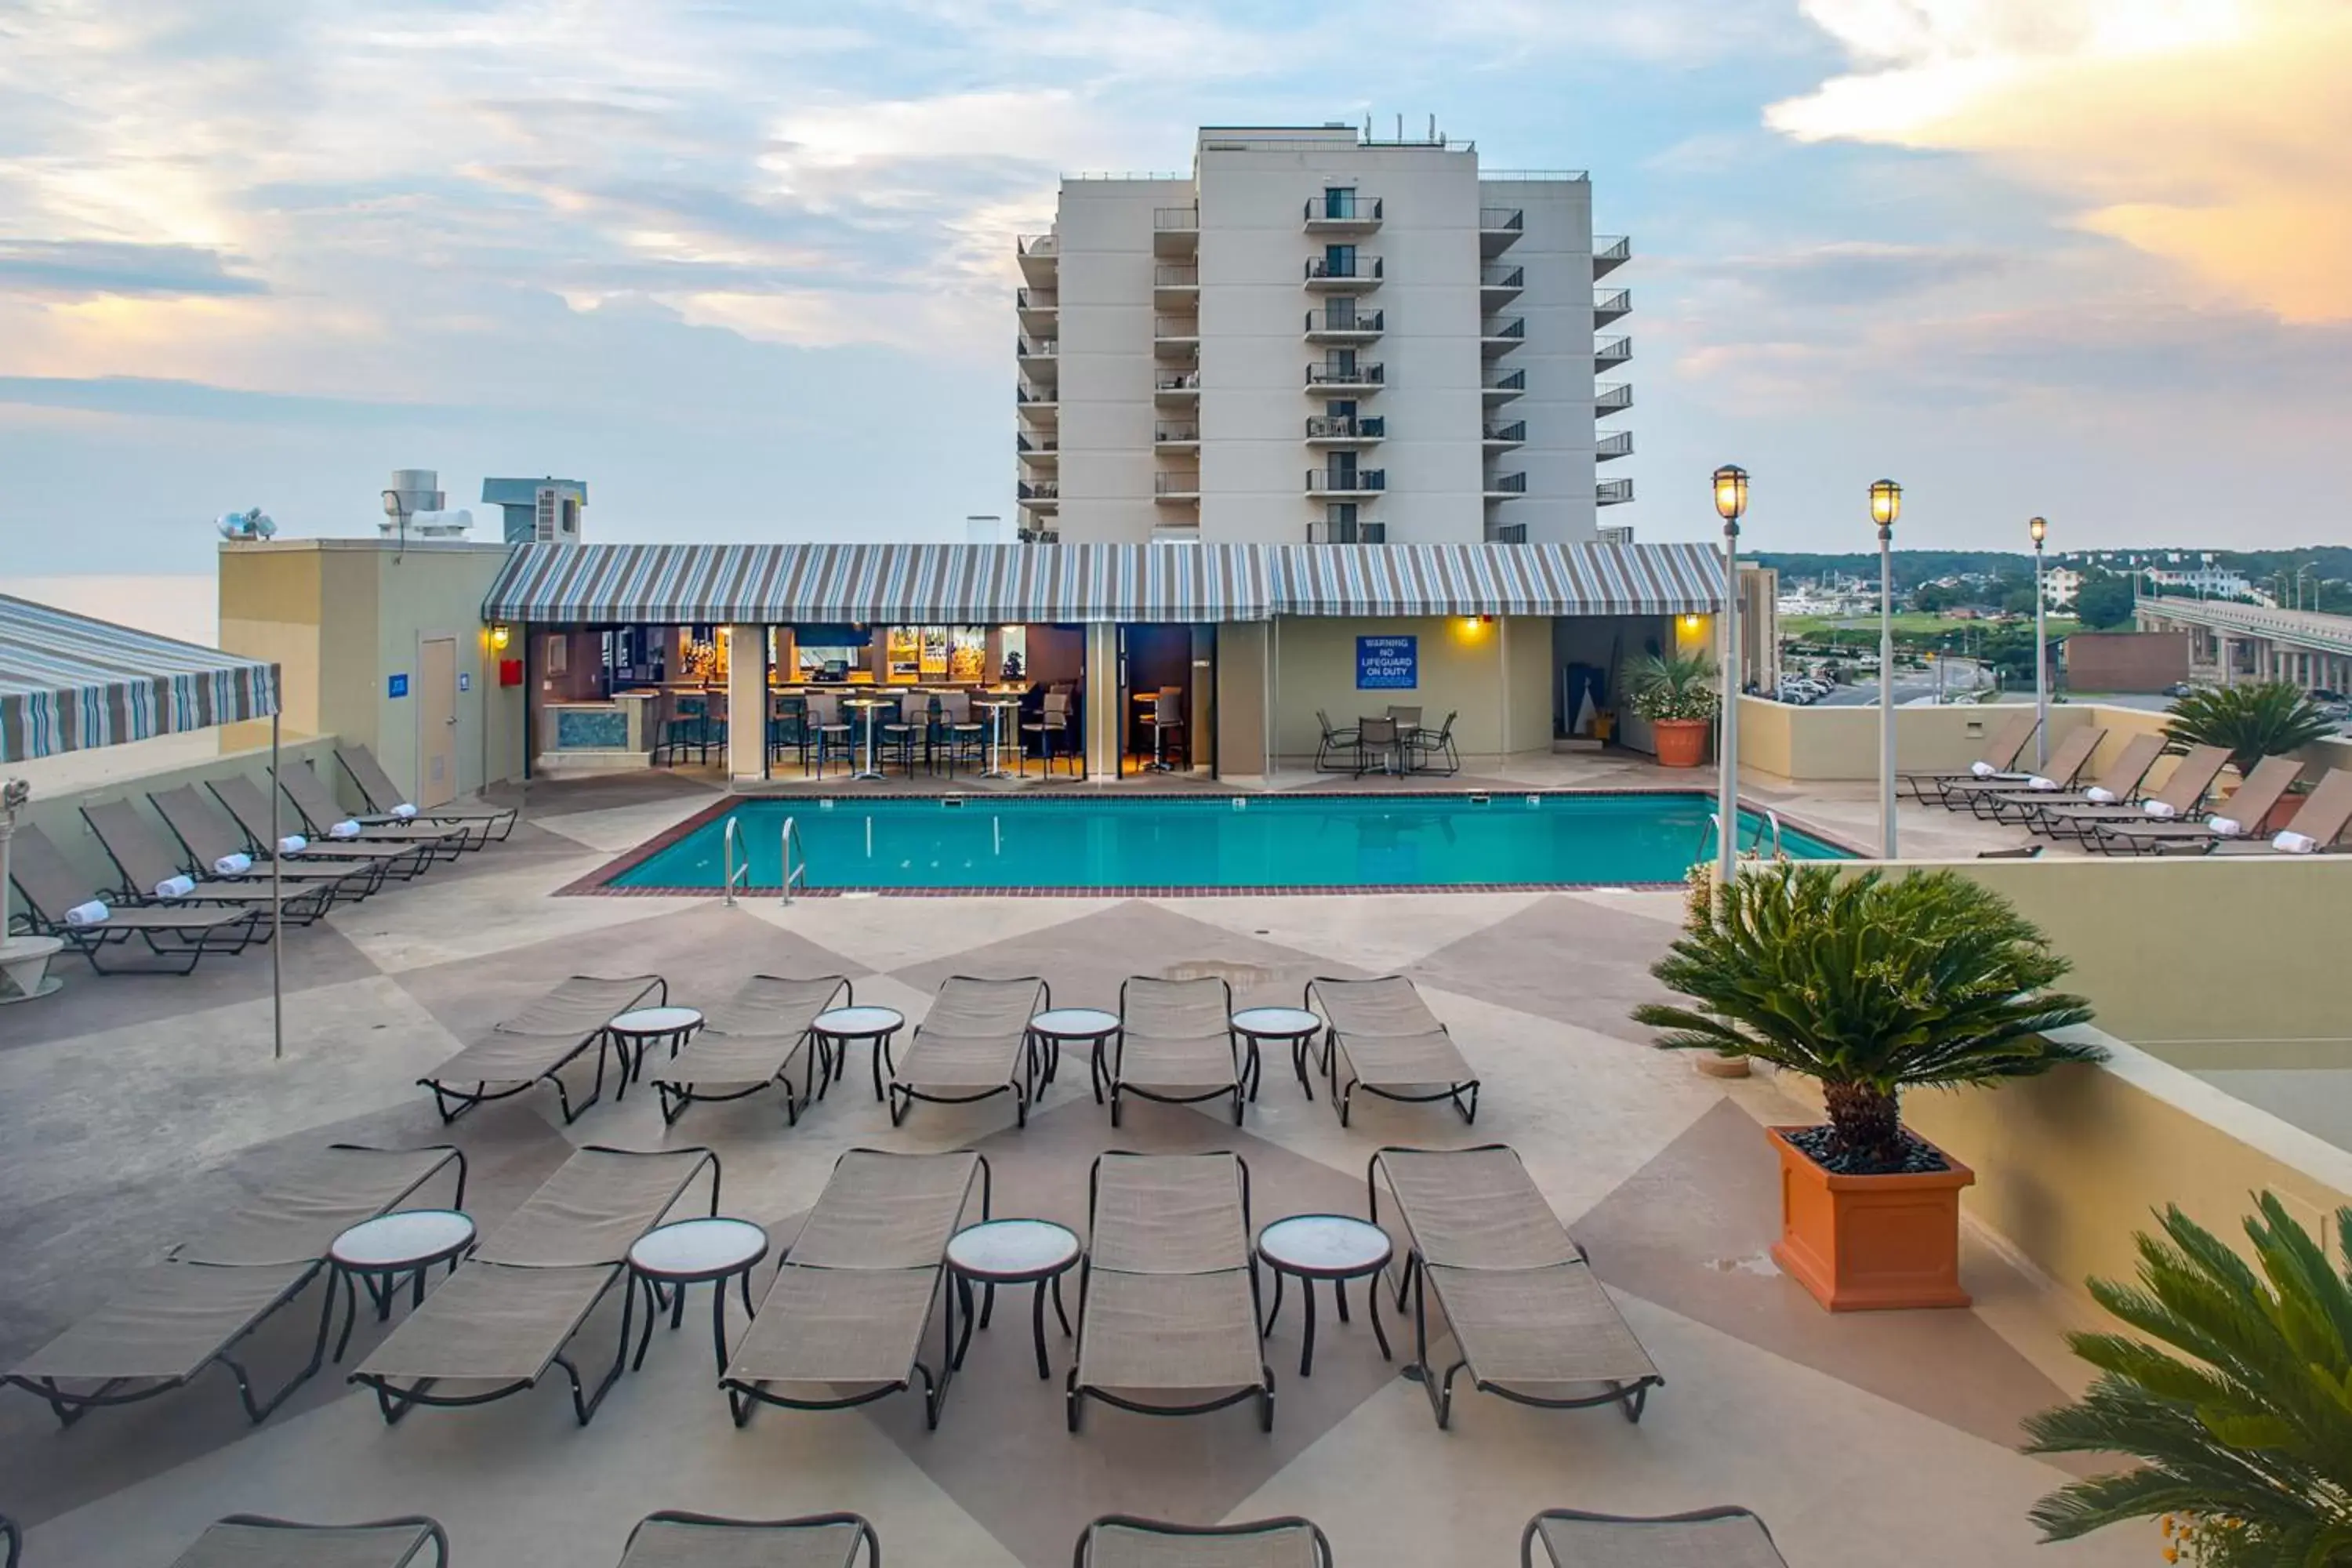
(68, 682)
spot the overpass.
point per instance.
(2230, 643)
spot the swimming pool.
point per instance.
(1202, 844)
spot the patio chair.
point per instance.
(1050, 735)
(540, 1042)
(321, 813)
(1123, 1540)
(828, 733)
(1999, 754)
(1175, 1045)
(974, 1043)
(2191, 780)
(2322, 819)
(1528, 1319)
(174, 1319)
(2068, 758)
(1384, 1041)
(147, 866)
(212, 841)
(1423, 749)
(963, 737)
(674, 1540)
(1706, 1538)
(750, 1041)
(843, 1322)
(488, 823)
(2119, 784)
(13, 1539)
(1376, 745)
(2241, 816)
(1331, 743)
(258, 1540)
(505, 1319)
(176, 939)
(1167, 716)
(1167, 1301)
(248, 807)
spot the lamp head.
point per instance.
(499, 636)
(1886, 502)
(2038, 527)
(1730, 492)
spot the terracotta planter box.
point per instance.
(1682, 742)
(1863, 1244)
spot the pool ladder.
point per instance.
(1768, 829)
(795, 871)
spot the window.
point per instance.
(1338, 201)
(1339, 262)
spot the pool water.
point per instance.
(1305, 841)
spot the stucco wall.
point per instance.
(1501, 697)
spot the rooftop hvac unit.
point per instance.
(555, 518)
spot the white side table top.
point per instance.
(856, 1021)
(1012, 1249)
(1075, 1023)
(695, 1248)
(403, 1239)
(1276, 1021)
(1325, 1244)
(656, 1021)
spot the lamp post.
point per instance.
(1730, 503)
(2040, 527)
(1885, 506)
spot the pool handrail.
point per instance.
(1768, 824)
(734, 875)
(793, 874)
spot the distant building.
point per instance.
(545, 511)
(2211, 582)
(2060, 586)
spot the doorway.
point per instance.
(436, 721)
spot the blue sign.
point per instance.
(464, 681)
(396, 686)
(1387, 664)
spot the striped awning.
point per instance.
(935, 584)
(68, 682)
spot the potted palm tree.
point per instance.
(2244, 1438)
(1871, 987)
(1677, 693)
(2263, 720)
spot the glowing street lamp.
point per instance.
(1885, 506)
(2039, 528)
(1731, 504)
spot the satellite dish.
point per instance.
(251, 524)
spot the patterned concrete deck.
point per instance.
(130, 1106)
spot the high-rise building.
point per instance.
(1320, 337)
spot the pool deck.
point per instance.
(129, 1107)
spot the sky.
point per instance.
(747, 267)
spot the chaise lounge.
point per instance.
(2315, 828)
(2191, 780)
(321, 814)
(57, 899)
(750, 1041)
(537, 1044)
(1996, 761)
(1123, 1540)
(674, 1540)
(974, 1043)
(2239, 816)
(2120, 783)
(1175, 1045)
(249, 808)
(484, 823)
(216, 842)
(2067, 760)
(1384, 1041)
(1707, 1538)
(148, 867)
(258, 1540)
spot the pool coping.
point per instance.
(599, 883)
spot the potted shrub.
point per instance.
(2244, 1438)
(1677, 693)
(2253, 722)
(1870, 986)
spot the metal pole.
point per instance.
(2040, 668)
(1886, 692)
(276, 911)
(1727, 762)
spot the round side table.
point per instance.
(1295, 1025)
(1085, 1025)
(835, 1029)
(668, 1259)
(634, 1033)
(1011, 1252)
(382, 1250)
(1330, 1246)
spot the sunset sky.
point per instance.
(746, 267)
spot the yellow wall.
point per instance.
(1241, 700)
(1503, 698)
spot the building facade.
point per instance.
(1316, 338)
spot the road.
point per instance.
(1910, 686)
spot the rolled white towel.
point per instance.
(344, 829)
(176, 887)
(2293, 843)
(1983, 770)
(93, 913)
(2102, 797)
(2226, 827)
(2162, 810)
(2037, 782)
(233, 865)
(292, 844)
(403, 812)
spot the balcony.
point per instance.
(1498, 229)
(1496, 338)
(1505, 486)
(1045, 451)
(1498, 286)
(1176, 488)
(1040, 309)
(1345, 484)
(1036, 353)
(1610, 353)
(1335, 325)
(1176, 387)
(1502, 437)
(1608, 308)
(1030, 535)
(1175, 231)
(1041, 496)
(1611, 397)
(1616, 443)
(1506, 533)
(1175, 288)
(1039, 254)
(1037, 404)
(1609, 251)
(1355, 275)
(1176, 337)
(1334, 379)
(1342, 212)
(1612, 492)
(1345, 430)
(1503, 388)
(1170, 435)
(1329, 533)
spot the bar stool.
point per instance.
(828, 730)
(1167, 714)
(787, 725)
(898, 736)
(965, 738)
(1051, 729)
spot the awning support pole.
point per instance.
(276, 909)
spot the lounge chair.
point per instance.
(2191, 780)
(750, 1041)
(504, 1320)
(1708, 1538)
(2322, 818)
(843, 1322)
(1123, 1540)
(176, 939)
(673, 1540)
(2068, 758)
(486, 824)
(211, 839)
(257, 1540)
(321, 812)
(1175, 1045)
(1528, 1319)
(248, 807)
(176, 1319)
(1998, 754)
(973, 1043)
(2242, 815)
(2120, 783)
(13, 1538)
(540, 1042)
(1167, 1305)
(1384, 1041)
(146, 864)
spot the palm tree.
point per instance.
(2244, 1439)
(1870, 986)
(2254, 722)
(1675, 685)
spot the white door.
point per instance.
(436, 721)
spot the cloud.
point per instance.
(75, 270)
(153, 397)
(2216, 134)
(1857, 273)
